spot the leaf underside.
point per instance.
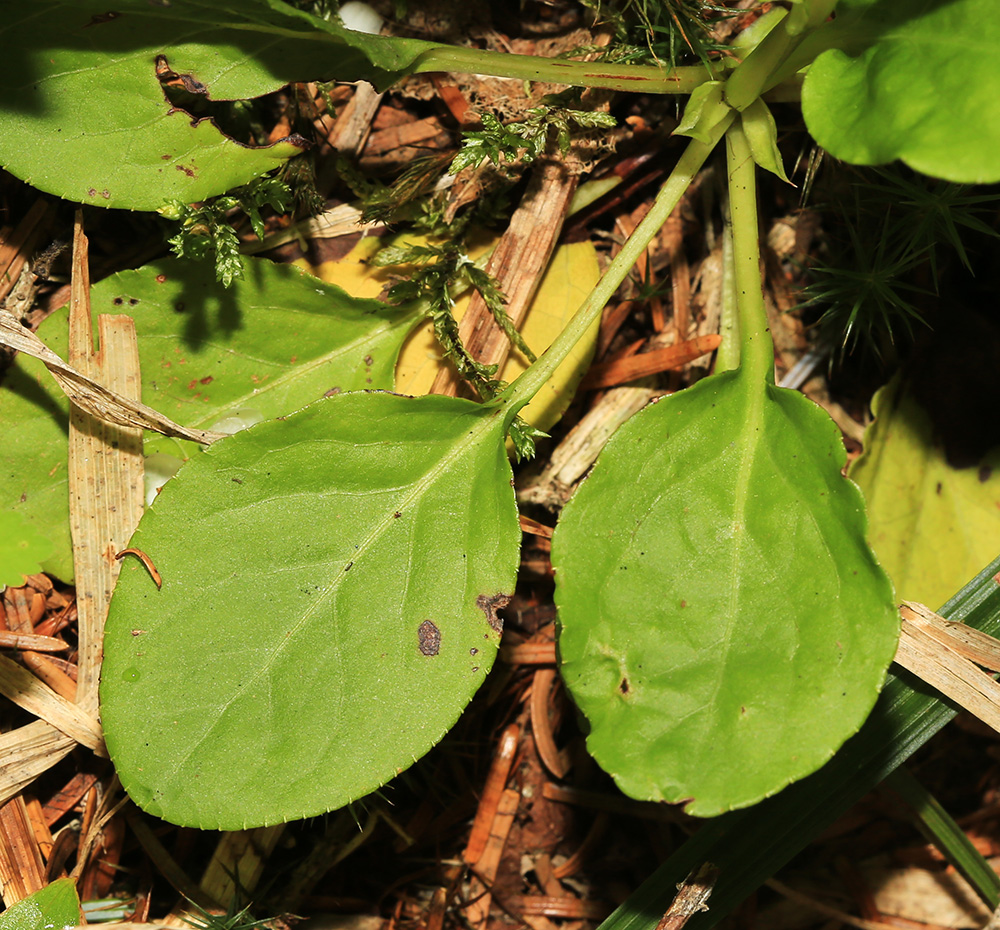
(724, 627)
(83, 114)
(330, 585)
(273, 342)
(920, 85)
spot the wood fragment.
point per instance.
(692, 897)
(47, 671)
(535, 528)
(579, 450)
(669, 358)
(90, 395)
(518, 264)
(17, 245)
(967, 641)
(436, 912)
(40, 829)
(27, 752)
(22, 871)
(530, 653)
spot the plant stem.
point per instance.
(633, 78)
(939, 827)
(688, 165)
(756, 349)
(727, 356)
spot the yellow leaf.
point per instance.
(571, 275)
(932, 526)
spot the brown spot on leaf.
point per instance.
(490, 605)
(208, 379)
(161, 279)
(99, 18)
(429, 638)
(984, 473)
(623, 686)
(188, 171)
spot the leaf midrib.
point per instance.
(468, 439)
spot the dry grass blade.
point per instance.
(105, 469)
(88, 394)
(27, 752)
(928, 650)
(25, 690)
(973, 644)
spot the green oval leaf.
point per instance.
(330, 586)
(50, 908)
(274, 341)
(724, 625)
(83, 114)
(916, 84)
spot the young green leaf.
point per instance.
(724, 626)
(329, 605)
(918, 84)
(276, 340)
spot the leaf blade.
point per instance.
(915, 85)
(675, 625)
(371, 497)
(275, 341)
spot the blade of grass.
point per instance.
(750, 846)
(940, 829)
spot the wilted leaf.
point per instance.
(933, 526)
(910, 81)
(330, 585)
(724, 625)
(273, 342)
